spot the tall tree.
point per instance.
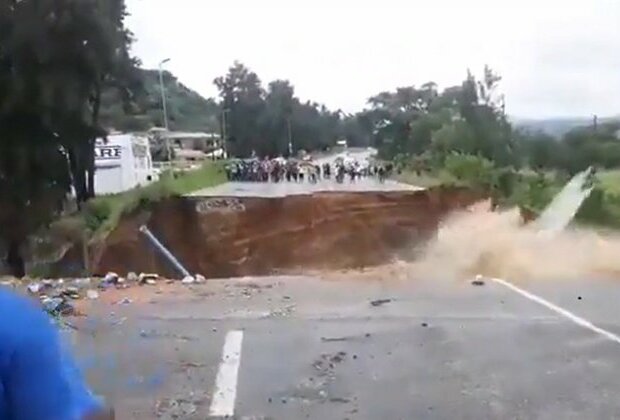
(468, 118)
(54, 57)
(276, 119)
(242, 103)
(262, 122)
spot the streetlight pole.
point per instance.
(224, 134)
(290, 137)
(163, 103)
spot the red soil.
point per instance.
(263, 235)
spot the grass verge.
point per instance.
(101, 215)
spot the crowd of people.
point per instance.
(295, 170)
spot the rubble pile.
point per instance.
(57, 295)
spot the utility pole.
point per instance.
(290, 137)
(595, 122)
(163, 103)
(224, 134)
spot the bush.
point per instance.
(148, 195)
(593, 208)
(534, 191)
(472, 170)
(601, 208)
(96, 213)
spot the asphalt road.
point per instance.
(270, 189)
(318, 349)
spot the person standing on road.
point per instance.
(302, 169)
(38, 378)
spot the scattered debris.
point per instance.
(200, 278)
(188, 280)
(124, 301)
(120, 321)
(180, 408)
(110, 277)
(71, 292)
(92, 294)
(334, 339)
(132, 277)
(344, 338)
(379, 302)
(34, 288)
(478, 281)
(57, 306)
(51, 304)
(283, 312)
(148, 278)
(339, 400)
(47, 283)
(338, 357)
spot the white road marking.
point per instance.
(555, 308)
(223, 402)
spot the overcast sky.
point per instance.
(557, 57)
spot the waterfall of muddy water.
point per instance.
(496, 244)
(565, 205)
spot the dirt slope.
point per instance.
(226, 237)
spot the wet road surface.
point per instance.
(319, 349)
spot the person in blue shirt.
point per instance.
(39, 379)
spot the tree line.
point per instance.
(423, 126)
(271, 121)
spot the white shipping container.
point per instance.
(122, 162)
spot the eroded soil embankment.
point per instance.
(257, 236)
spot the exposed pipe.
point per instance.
(171, 258)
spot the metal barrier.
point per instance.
(161, 248)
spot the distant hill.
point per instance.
(557, 127)
(187, 110)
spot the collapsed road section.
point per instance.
(241, 236)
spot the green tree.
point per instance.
(277, 117)
(243, 102)
(261, 122)
(468, 118)
(187, 110)
(55, 55)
